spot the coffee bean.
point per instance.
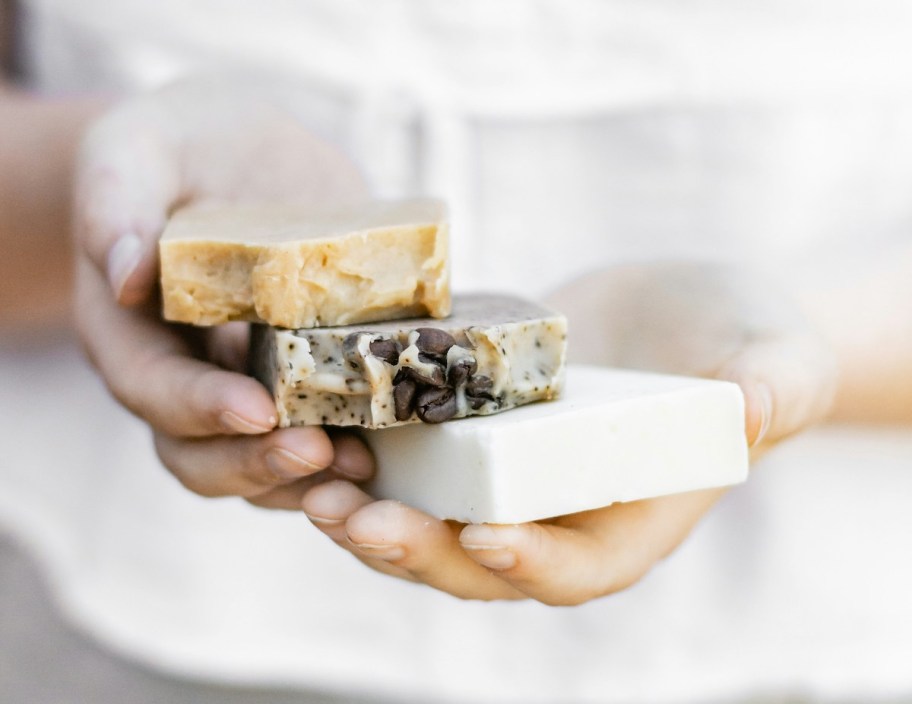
(350, 347)
(434, 341)
(433, 374)
(387, 350)
(404, 398)
(436, 405)
(461, 371)
(479, 386)
(477, 402)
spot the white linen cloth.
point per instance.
(565, 135)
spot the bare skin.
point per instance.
(37, 153)
(215, 428)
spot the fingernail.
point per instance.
(233, 423)
(323, 521)
(382, 552)
(288, 465)
(486, 547)
(123, 258)
(356, 472)
(765, 397)
(492, 557)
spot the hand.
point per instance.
(214, 427)
(686, 319)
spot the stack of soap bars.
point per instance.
(354, 325)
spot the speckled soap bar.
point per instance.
(493, 353)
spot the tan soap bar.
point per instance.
(294, 266)
(493, 353)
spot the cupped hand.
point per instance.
(214, 428)
(699, 320)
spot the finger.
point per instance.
(329, 505)
(352, 459)
(788, 383)
(226, 345)
(127, 180)
(245, 466)
(288, 497)
(590, 554)
(426, 547)
(147, 367)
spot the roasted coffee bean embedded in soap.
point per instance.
(436, 405)
(461, 371)
(479, 386)
(434, 341)
(476, 402)
(432, 374)
(404, 398)
(350, 348)
(388, 350)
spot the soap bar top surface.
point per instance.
(302, 266)
(613, 435)
(493, 353)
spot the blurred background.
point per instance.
(566, 138)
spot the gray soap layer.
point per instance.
(493, 353)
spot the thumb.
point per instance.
(789, 383)
(127, 180)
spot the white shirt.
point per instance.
(565, 135)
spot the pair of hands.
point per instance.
(215, 429)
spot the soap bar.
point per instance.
(295, 266)
(494, 353)
(612, 436)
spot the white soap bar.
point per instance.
(614, 435)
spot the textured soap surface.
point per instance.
(612, 436)
(492, 354)
(295, 266)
